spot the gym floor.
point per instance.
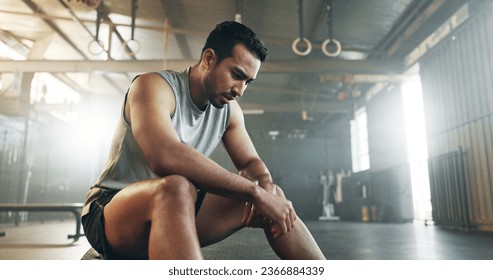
(338, 240)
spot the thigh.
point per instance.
(127, 219)
(218, 218)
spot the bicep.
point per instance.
(148, 110)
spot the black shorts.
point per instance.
(93, 222)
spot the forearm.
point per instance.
(256, 171)
(180, 159)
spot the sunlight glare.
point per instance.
(414, 119)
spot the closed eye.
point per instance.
(238, 74)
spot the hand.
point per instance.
(251, 217)
(270, 210)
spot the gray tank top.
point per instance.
(201, 130)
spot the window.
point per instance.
(414, 116)
(359, 141)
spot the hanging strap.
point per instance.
(96, 46)
(300, 17)
(132, 46)
(99, 15)
(134, 14)
(307, 42)
(329, 18)
(331, 39)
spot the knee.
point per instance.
(175, 187)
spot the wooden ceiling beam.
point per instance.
(344, 67)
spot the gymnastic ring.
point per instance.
(95, 43)
(131, 44)
(308, 46)
(337, 50)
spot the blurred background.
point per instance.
(371, 111)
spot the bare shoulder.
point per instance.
(151, 91)
(150, 85)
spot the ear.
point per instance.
(208, 58)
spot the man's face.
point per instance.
(229, 79)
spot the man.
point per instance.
(160, 196)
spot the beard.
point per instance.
(210, 91)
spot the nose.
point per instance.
(239, 89)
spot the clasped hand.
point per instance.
(270, 211)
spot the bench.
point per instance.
(74, 208)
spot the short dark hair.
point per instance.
(229, 33)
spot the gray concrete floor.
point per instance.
(41, 241)
(338, 241)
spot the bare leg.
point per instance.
(301, 244)
(297, 244)
(220, 217)
(154, 218)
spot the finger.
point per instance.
(293, 214)
(283, 229)
(275, 231)
(252, 218)
(246, 213)
(251, 215)
(288, 222)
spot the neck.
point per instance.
(196, 85)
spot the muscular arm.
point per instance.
(150, 104)
(242, 151)
(246, 159)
